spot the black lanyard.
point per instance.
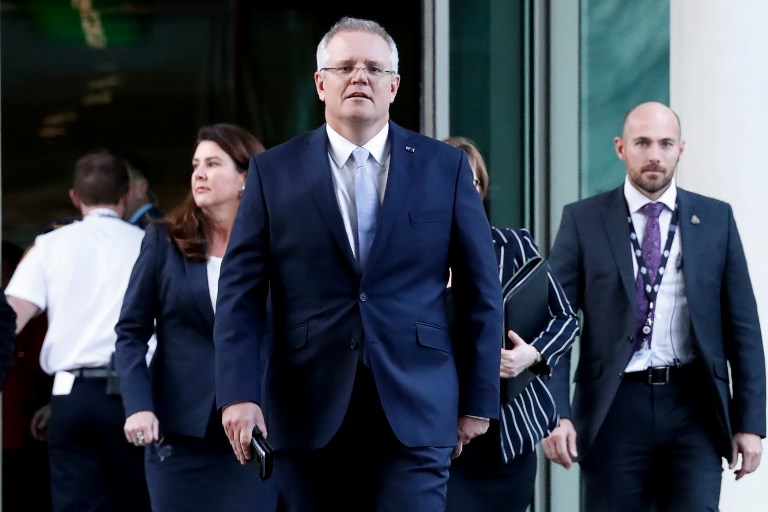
(652, 289)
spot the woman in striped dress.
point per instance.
(497, 471)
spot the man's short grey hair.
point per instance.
(348, 24)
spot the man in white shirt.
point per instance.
(78, 275)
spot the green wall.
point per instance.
(487, 97)
(624, 60)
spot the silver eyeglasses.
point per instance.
(370, 71)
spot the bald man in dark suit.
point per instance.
(653, 411)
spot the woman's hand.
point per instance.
(142, 428)
(518, 358)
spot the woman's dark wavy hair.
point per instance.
(187, 223)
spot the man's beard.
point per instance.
(653, 186)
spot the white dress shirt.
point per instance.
(343, 170)
(214, 269)
(670, 342)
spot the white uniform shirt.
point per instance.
(670, 341)
(79, 274)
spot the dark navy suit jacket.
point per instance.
(591, 258)
(289, 239)
(179, 385)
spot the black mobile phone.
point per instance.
(261, 454)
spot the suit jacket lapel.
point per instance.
(401, 161)
(197, 278)
(691, 241)
(616, 227)
(315, 164)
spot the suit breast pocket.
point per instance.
(427, 237)
(428, 217)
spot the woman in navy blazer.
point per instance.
(497, 471)
(170, 405)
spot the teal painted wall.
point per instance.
(624, 60)
(487, 97)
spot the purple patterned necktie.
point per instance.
(652, 256)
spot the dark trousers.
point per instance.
(93, 467)
(364, 467)
(655, 448)
(26, 485)
(203, 475)
(481, 481)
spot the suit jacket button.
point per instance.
(353, 344)
(363, 297)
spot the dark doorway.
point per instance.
(143, 75)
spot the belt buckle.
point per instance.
(652, 372)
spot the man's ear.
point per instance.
(141, 187)
(618, 145)
(73, 197)
(320, 85)
(126, 197)
(393, 87)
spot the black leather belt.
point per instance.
(657, 375)
(92, 373)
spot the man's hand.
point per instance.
(750, 448)
(560, 445)
(39, 424)
(469, 428)
(238, 420)
(518, 358)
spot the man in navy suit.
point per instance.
(366, 388)
(654, 409)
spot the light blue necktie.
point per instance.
(367, 203)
